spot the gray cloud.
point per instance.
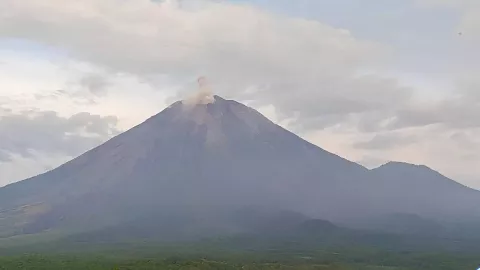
(94, 124)
(386, 141)
(304, 67)
(352, 100)
(56, 94)
(45, 131)
(83, 90)
(457, 112)
(4, 156)
(94, 83)
(468, 143)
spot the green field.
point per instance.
(38, 262)
(322, 246)
(195, 257)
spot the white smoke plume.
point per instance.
(203, 96)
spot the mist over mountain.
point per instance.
(196, 163)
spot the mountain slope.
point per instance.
(218, 157)
(420, 190)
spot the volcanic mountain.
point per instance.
(197, 160)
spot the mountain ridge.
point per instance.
(217, 156)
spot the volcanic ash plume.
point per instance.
(203, 96)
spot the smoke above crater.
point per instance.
(203, 96)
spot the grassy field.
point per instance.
(38, 262)
(334, 250)
(184, 258)
(42, 263)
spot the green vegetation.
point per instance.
(71, 263)
(41, 263)
(318, 246)
(193, 259)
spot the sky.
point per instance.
(370, 80)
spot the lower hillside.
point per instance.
(310, 244)
(323, 260)
(246, 239)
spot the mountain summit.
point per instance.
(203, 158)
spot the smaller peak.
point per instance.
(402, 165)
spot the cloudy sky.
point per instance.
(371, 80)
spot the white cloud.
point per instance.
(29, 83)
(47, 132)
(235, 45)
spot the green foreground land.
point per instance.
(317, 246)
(183, 259)
(38, 262)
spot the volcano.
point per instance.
(201, 161)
